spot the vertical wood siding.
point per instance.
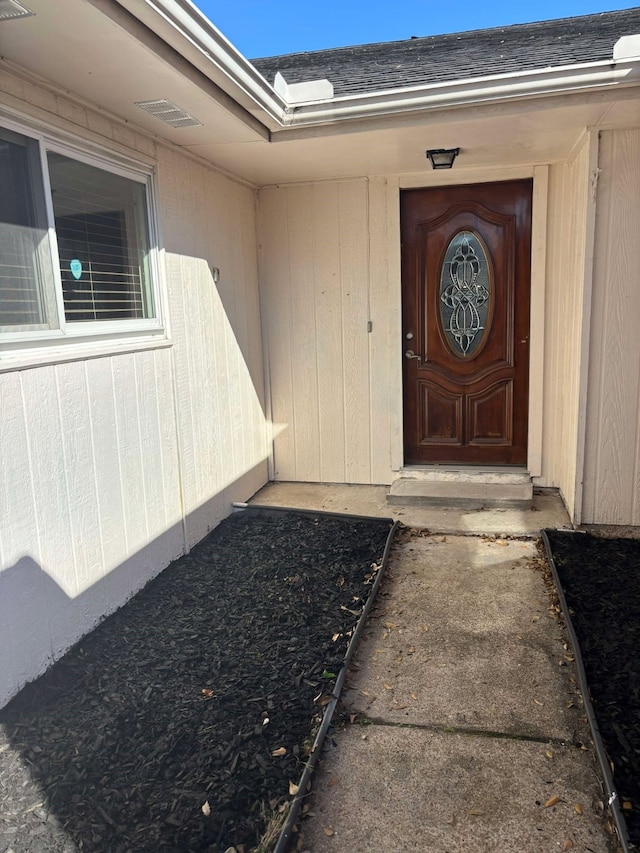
(110, 466)
(316, 253)
(612, 457)
(567, 217)
(208, 221)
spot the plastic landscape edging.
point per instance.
(304, 785)
(613, 800)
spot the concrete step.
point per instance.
(471, 488)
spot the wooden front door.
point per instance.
(466, 261)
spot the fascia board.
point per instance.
(190, 32)
(503, 87)
(187, 30)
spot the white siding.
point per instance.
(612, 463)
(567, 254)
(110, 467)
(209, 221)
(315, 294)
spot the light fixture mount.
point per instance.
(442, 158)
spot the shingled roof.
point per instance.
(477, 53)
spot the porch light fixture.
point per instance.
(442, 158)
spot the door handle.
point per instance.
(411, 354)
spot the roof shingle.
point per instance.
(457, 56)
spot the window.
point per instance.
(75, 249)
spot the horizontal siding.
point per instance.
(612, 464)
(111, 466)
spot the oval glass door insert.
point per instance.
(465, 294)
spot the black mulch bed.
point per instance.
(165, 729)
(601, 582)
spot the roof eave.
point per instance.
(190, 32)
(185, 28)
(491, 89)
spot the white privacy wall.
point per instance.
(111, 466)
(612, 459)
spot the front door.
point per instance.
(466, 261)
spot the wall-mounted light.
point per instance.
(442, 158)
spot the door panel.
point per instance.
(465, 286)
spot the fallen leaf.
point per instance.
(627, 806)
(389, 625)
(552, 801)
(549, 753)
(568, 844)
(281, 750)
(328, 831)
(475, 811)
(414, 695)
(333, 781)
(578, 808)
(388, 686)
(293, 789)
(411, 650)
(206, 809)
(208, 694)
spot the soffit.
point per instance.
(80, 49)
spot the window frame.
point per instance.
(129, 332)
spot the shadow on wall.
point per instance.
(39, 621)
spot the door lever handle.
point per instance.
(411, 354)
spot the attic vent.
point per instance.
(168, 112)
(10, 9)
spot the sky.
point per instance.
(270, 27)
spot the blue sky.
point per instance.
(269, 27)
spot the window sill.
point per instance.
(77, 350)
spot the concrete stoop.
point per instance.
(445, 485)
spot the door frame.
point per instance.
(540, 175)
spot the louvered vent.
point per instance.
(168, 112)
(10, 9)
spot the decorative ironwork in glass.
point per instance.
(465, 294)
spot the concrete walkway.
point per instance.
(467, 733)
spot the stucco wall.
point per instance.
(612, 459)
(111, 466)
